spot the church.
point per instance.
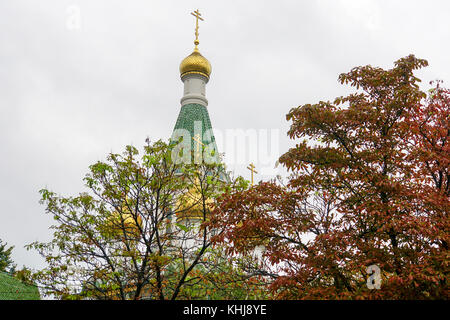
(193, 123)
(193, 132)
(193, 136)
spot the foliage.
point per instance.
(24, 275)
(132, 236)
(369, 186)
(6, 263)
(220, 276)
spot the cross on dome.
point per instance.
(197, 15)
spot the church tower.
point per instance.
(193, 122)
(193, 130)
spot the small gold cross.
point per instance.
(198, 140)
(251, 167)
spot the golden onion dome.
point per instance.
(129, 223)
(195, 63)
(190, 204)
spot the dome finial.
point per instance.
(195, 63)
(197, 15)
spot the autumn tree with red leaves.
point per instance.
(364, 214)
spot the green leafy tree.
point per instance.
(24, 275)
(6, 263)
(221, 276)
(139, 233)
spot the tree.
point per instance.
(6, 263)
(221, 276)
(368, 199)
(132, 236)
(24, 275)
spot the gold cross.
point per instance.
(251, 167)
(198, 140)
(197, 15)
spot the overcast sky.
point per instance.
(71, 93)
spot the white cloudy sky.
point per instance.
(69, 96)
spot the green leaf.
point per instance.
(184, 228)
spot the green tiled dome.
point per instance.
(188, 116)
(13, 289)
